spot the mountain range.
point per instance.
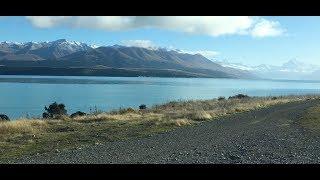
(63, 57)
(293, 69)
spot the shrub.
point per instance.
(142, 106)
(45, 115)
(55, 110)
(78, 113)
(239, 96)
(274, 98)
(221, 98)
(4, 117)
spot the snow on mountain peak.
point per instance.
(240, 66)
(11, 43)
(292, 66)
(94, 46)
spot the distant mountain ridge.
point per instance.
(293, 69)
(71, 54)
(41, 50)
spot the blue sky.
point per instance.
(249, 40)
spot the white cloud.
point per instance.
(207, 25)
(139, 43)
(47, 21)
(265, 28)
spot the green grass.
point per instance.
(29, 137)
(311, 119)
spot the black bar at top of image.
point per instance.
(160, 8)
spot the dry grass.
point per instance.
(18, 137)
(201, 110)
(131, 116)
(182, 122)
(23, 126)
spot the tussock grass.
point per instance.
(23, 126)
(30, 136)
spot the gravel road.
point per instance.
(271, 135)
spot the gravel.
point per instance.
(270, 135)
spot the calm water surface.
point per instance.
(22, 96)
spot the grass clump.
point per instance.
(200, 115)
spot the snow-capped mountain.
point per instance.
(297, 66)
(41, 50)
(292, 69)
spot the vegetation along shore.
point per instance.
(57, 131)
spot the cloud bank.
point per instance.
(204, 25)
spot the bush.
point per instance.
(274, 98)
(4, 117)
(239, 96)
(54, 111)
(221, 98)
(78, 113)
(142, 106)
(45, 115)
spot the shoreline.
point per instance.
(162, 77)
(94, 109)
(27, 137)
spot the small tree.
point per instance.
(142, 106)
(221, 98)
(4, 117)
(239, 96)
(54, 110)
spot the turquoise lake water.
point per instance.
(22, 96)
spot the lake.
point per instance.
(22, 96)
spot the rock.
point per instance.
(4, 117)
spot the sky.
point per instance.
(239, 39)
